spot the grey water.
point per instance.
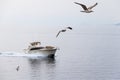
(86, 53)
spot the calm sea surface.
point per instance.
(86, 53)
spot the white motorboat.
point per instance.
(35, 48)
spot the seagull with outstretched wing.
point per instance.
(63, 30)
(85, 8)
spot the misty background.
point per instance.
(24, 21)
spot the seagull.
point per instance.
(85, 8)
(63, 30)
(18, 67)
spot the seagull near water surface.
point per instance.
(18, 67)
(85, 8)
(63, 30)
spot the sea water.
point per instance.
(86, 53)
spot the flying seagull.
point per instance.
(85, 8)
(63, 30)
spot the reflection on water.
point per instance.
(41, 60)
(42, 68)
(94, 54)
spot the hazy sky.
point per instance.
(56, 12)
(33, 16)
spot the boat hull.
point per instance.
(44, 52)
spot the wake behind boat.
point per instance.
(36, 48)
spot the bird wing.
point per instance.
(69, 28)
(58, 33)
(92, 6)
(83, 6)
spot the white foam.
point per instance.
(16, 54)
